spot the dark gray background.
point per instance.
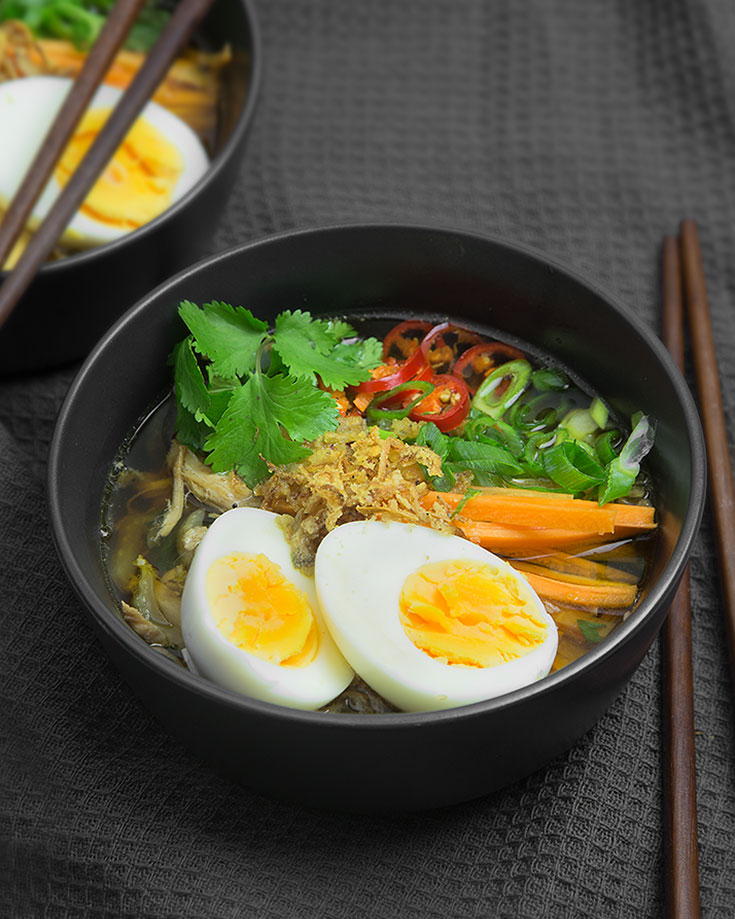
(586, 128)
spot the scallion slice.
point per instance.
(502, 388)
(571, 466)
(623, 470)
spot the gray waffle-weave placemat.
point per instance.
(586, 128)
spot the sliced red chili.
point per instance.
(404, 339)
(444, 343)
(447, 406)
(415, 368)
(480, 360)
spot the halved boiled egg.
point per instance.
(251, 621)
(429, 620)
(160, 159)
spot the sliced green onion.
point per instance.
(485, 430)
(500, 389)
(377, 415)
(537, 414)
(533, 460)
(513, 440)
(532, 483)
(430, 436)
(550, 379)
(623, 470)
(481, 476)
(606, 444)
(518, 414)
(572, 467)
(580, 424)
(470, 493)
(489, 458)
(599, 412)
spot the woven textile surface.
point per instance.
(585, 128)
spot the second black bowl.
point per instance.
(72, 301)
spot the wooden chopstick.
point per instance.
(113, 34)
(680, 790)
(713, 421)
(185, 19)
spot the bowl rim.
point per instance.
(216, 164)
(118, 631)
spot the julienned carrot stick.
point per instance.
(537, 510)
(567, 567)
(507, 540)
(515, 540)
(594, 575)
(601, 595)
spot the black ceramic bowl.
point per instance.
(365, 762)
(72, 301)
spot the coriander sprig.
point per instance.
(248, 397)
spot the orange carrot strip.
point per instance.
(523, 510)
(361, 400)
(599, 595)
(591, 577)
(573, 566)
(506, 540)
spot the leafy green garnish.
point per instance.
(470, 493)
(315, 346)
(592, 631)
(248, 397)
(80, 21)
(252, 428)
(228, 336)
(191, 390)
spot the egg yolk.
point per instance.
(137, 184)
(260, 611)
(466, 612)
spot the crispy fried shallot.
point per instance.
(353, 473)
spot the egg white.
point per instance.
(28, 107)
(360, 570)
(256, 531)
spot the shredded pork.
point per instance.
(218, 490)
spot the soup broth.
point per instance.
(147, 571)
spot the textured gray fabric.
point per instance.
(586, 128)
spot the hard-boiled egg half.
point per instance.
(251, 621)
(159, 161)
(429, 620)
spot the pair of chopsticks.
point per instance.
(683, 281)
(179, 29)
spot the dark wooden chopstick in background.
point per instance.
(113, 34)
(722, 495)
(179, 29)
(679, 768)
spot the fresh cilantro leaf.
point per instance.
(315, 334)
(340, 329)
(591, 631)
(367, 353)
(189, 385)
(189, 431)
(308, 347)
(252, 431)
(229, 336)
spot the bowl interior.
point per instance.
(379, 272)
